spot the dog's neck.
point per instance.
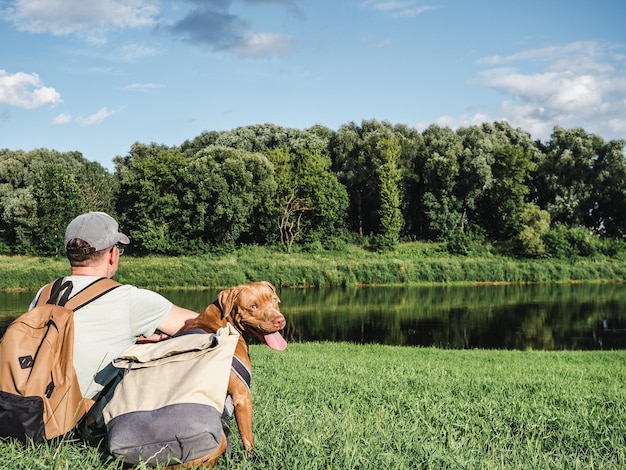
(213, 319)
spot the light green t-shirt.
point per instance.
(105, 327)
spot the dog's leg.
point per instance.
(242, 402)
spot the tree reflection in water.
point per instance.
(542, 317)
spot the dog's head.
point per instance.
(253, 308)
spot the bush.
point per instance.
(466, 244)
(564, 242)
(584, 242)
(4, 248)
(612, 247)
(557, 243)
(535, 224)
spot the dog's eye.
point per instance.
(253, 306)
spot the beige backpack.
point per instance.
(39, 393)
(167, 409)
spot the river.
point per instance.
(541, 317)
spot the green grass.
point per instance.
(410, 263)
(345, 406)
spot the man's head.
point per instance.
(89, 235)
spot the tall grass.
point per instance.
(344, 406)
(410, 263)
(348, 406)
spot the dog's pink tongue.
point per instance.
(275, 341)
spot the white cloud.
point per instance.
(618, 125)
(454, 122)
(61, 119)
(24, 90)
(582, 84)
(143, 86)
(261, 44)
(134, 52)
(535, 120)
(96, 118)
(398, 9)
(547, 54)
(564, 92)
(89, 17)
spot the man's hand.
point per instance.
(153, 338)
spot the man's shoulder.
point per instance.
(81, 282)
(133, 294)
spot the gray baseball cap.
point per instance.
(98, 229)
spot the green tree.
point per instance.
(563, 180)
(439, 176)
(512, 156)
(503, 203)
(356, 161)
(37, 194)
(535, 225)
(227, 197)
(149, 198)
(19, 220)
(190, 147)
(475, 173)
(349, 166)
(97, 188)
(17, 205)
(57, 197)
(323, 192)
(310, 202)
(410, 152)
(609, 190)
(288, 205)
(390, 214)
(264, 137)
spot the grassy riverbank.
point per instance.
(343, 406)
(410, 263)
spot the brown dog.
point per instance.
(252, 309)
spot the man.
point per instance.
(107, 326)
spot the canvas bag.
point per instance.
(39, 393)
(167, 408)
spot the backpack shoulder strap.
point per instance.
(93, 291)
(90, 293)
(46, 292)
(55, 293)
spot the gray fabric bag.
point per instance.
(167, 408)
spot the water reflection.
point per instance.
(577, 316)
(590, 316)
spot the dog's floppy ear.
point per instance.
(226, 300)
(270, 285)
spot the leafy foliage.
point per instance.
(535, 224)
(226, 196)
(149, 199)
(374, 183)
(390, 215)
(41, 191)
(56, 194)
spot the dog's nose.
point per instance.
(279, 322)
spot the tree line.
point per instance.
(373, 183)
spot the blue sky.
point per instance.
(95, 76)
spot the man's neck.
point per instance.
(89, 271)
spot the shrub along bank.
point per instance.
(408, 264)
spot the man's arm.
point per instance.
(175, 321)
